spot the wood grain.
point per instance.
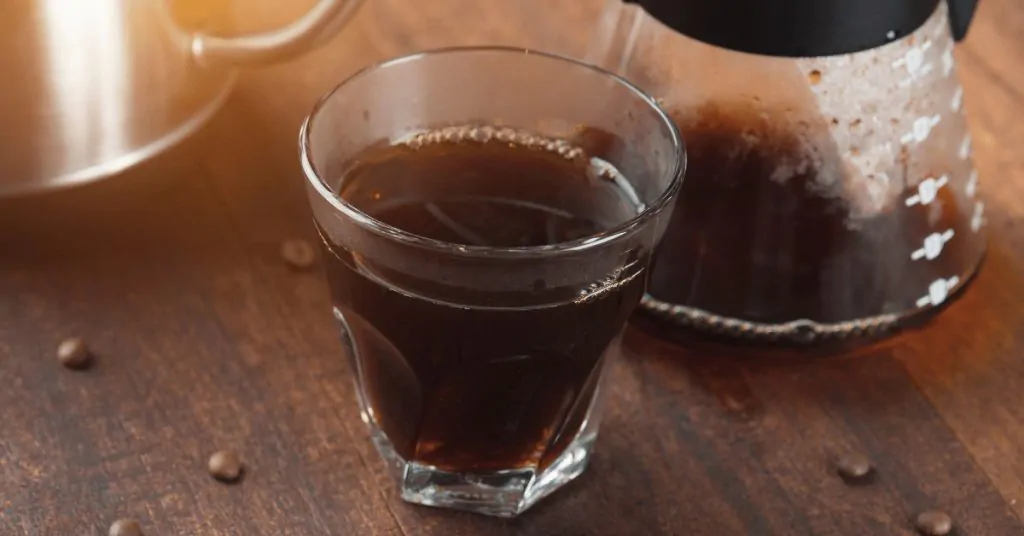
(206, 340)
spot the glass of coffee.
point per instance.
(488, 218)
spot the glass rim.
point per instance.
(402, 236)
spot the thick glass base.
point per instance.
(505, 493)
(501, 493)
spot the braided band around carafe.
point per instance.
(800, 332)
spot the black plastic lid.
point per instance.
(801, 28)
(960, 14)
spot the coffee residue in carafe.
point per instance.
(770, 228)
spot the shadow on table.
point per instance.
(698, 438)
(624, 491)
(114, 215)
(981, 324)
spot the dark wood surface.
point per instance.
(205, 340)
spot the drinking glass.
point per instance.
(478, 369)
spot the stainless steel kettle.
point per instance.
(92, 87)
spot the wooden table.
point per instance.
(207, 341)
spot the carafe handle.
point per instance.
(320, 22)
(960, 14)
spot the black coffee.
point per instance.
(479, 388)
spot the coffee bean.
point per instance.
(125, 527)
(298, 253)
(225, 466)
(933, 523)
(74, 354)
(853, 466)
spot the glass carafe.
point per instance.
(830, 193)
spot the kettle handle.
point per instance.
(960, 14)
(320, 22)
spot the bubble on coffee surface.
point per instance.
(597, 168)
(488, 133)
(619, 277)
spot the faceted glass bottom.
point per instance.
(499, 493)
(502, 493)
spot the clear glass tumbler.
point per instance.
(478, 368)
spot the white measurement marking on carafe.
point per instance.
(927, 190)
(978, 219)
(958, 99)
(947, 61)
(921, 129)
(913, 61)
(933, 245)
(965, 147)
(938, 291)
(971, 187)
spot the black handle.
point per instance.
(795, 27)
(960, 14)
